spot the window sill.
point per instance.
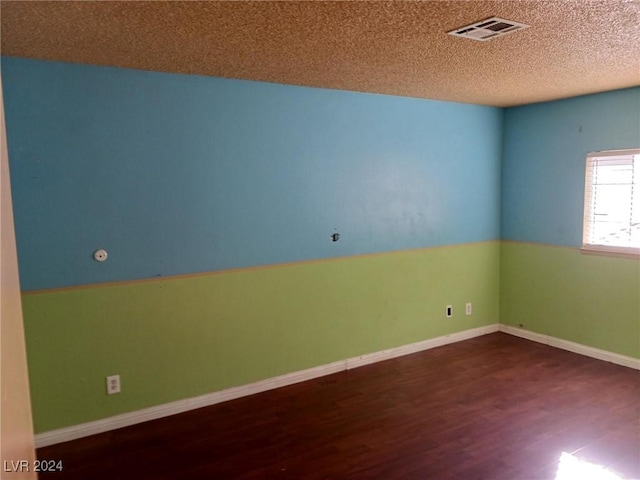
(623, 252)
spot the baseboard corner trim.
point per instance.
(74, 432)
(428, 344)
(574, 347)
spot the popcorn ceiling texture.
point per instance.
(573, 47)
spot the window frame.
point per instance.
(599, 249)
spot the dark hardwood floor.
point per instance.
(494, 407)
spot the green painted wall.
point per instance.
(589, 299)
(176, 338)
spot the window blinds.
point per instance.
(612, 201)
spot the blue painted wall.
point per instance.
(544, 156)
(177, 174)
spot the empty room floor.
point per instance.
(494, 407)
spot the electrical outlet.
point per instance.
(113, 384)
(468, 309)
(449, 311)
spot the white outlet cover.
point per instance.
(113, 384)
(469, 309)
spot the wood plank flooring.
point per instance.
(493, 407)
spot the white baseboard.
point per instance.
(131, 418)
(572, 347)
(362, 360)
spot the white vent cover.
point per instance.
(488, 29)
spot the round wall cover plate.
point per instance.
(100, 255)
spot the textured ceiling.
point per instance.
(573, 47)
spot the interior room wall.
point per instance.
(546, 283)
(216, 200)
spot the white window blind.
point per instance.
(612, 202)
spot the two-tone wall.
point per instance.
(216, 200)
(546, 284)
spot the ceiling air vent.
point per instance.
(488, 29)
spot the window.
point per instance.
(612, 202)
